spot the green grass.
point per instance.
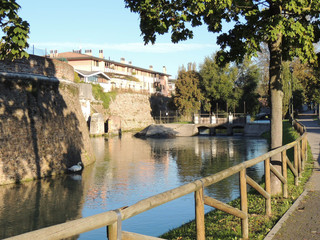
(99, 94)
(220, 225)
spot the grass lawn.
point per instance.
(220, 225)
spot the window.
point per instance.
(93, 79)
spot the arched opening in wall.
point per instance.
(221, 131)
(204, 131)
(88, 123)
(238, 130)
(106, 126)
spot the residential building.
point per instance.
(172, 86)
(115, 75)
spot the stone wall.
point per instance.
(130, 111)
(39, 66)
(42, 129)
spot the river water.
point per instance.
(127, 170)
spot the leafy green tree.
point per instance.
(289, 27)
(247, 81)
(188, 95)
(306, 80)
(263, 62)
(217, 84)
(15, 31)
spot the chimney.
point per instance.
(123, 60)
(130, 63)
(51, 54)
(164, 69)
(55, 54)
(76, 51)
(151, 68)
(88, 52)
(101, 54)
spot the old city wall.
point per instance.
(42, 129)
(130, 111)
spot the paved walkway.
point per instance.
(302, 220)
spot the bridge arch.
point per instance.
(238, 130)
(205, 131)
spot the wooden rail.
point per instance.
(113, 219)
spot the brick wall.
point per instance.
(39, 66)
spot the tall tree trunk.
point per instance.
(276, 107)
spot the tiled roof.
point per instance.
(74, 56)
(71, 55)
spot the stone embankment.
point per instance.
(42, 129)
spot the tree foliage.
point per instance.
(15, 31)
(307, 80)
(217, 84)
(188, 95)
(248, 80)
(289, 27)
(256, 21)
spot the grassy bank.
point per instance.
(220, 225)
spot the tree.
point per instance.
(216, 84)
(263, 63)
(306, 79)
(289, 27)
(248, 82)
(188, 95)
(15, 31)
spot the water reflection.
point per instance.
(38, 204)
(127, 170)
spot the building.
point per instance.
(172, 86)
(115, 75)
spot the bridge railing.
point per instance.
(113, 219)
(222, 118)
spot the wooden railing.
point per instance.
(113, 219)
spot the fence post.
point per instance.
(244, 204)
(268, 185)
(303, 153)
(284, 173)
(112, 231)
(296, 162)
(199, 205)
(306, 146)
(299, 158)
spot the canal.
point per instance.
(127, 170)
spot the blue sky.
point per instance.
(65, 25)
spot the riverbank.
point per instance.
(220, 225)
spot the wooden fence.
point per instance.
(113, 219)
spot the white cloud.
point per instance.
(127, 47)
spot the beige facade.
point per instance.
(122, 75)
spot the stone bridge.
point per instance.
(188, 130)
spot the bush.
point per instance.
(99, 94)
